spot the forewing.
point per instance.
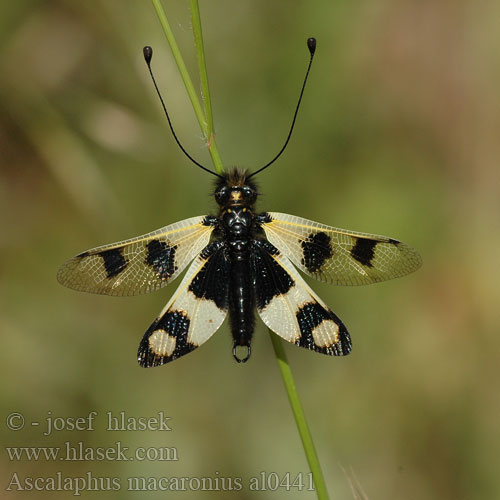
(139, 265)
(193, 314)
(339, 256)
(289, 307)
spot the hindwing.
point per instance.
(138, 265)
(336, 255)
(288, 306)
(193, 314)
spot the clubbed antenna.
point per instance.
(148, 54)
(311, 44)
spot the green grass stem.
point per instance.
(300, 418)
(205, 90)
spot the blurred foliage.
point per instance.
(398, 135)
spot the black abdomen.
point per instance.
(241, 302)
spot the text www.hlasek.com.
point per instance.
(79, 452)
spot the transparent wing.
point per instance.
(138, 265)
(193, 314)
(288, 306)
(339, 256)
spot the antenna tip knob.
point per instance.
(311, 44)
(148, 53)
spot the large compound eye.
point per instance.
(249, 194)
(222, 195)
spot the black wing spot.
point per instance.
(212, 280)
(316, 250)
(161, 257)
(114, 261)
(310, 316)
(270, 279)
(364, 251)
(176, 325)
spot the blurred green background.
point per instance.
(397, 135)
